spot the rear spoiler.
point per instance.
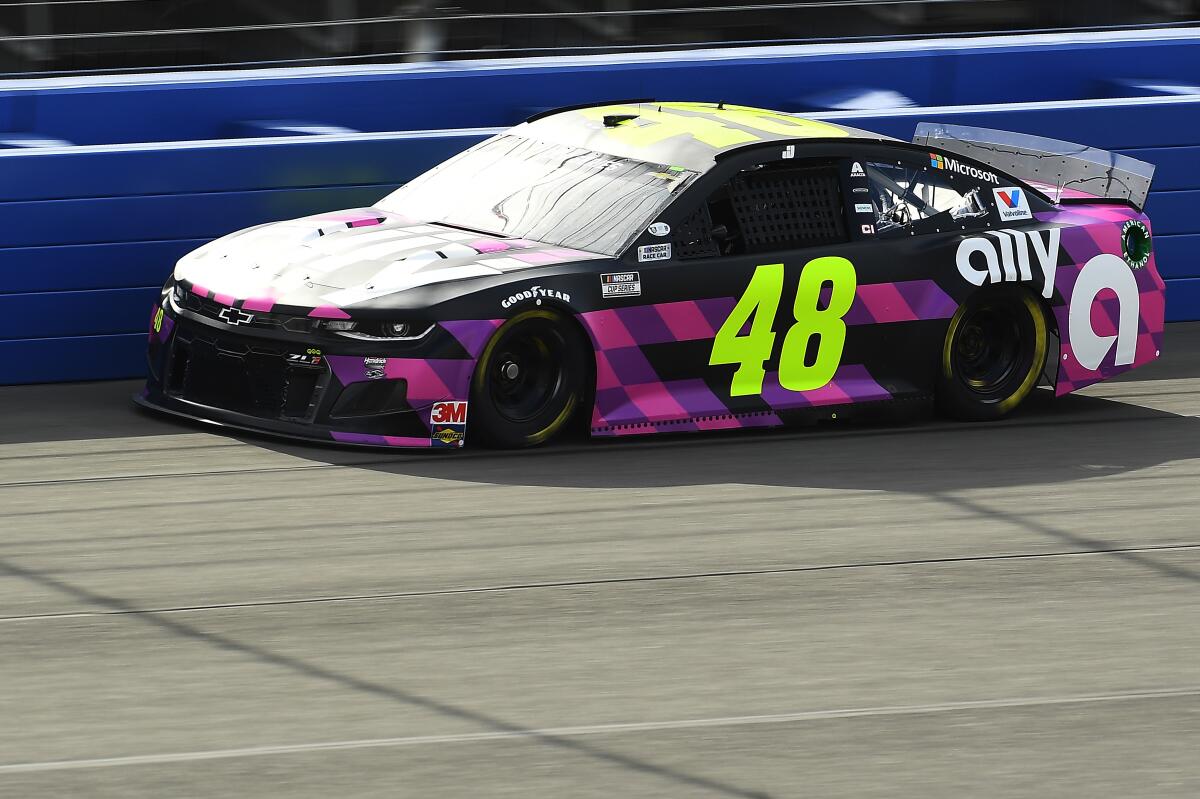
(1063, 171)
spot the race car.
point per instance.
(648, 267)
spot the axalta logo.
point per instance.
(535, 293)
(954, 165)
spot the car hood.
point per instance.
(350, 257)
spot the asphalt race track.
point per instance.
(917, 610)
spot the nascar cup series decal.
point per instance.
(448, 424)
(1013, 204)
(621, 284)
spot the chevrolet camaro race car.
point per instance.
(667, 267)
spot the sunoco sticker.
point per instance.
(621, 284)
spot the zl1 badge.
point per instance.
(448, 424)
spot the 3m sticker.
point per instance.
(1013, 204)
(448, 424)
(621, 284)
(654, 252)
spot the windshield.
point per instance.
(512, 186)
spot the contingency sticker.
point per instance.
(1013, 204)
(621, 284)
(448, 424)
(654, 252)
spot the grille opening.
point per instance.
(242, 377)
(371, 398)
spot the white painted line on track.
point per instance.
(595, 729)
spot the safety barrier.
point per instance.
(147, 168)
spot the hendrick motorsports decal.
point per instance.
(376, 368)
(448, 424)
(621, 284)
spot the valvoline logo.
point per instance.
(1011, 197)
(1013, 204)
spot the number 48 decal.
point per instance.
(758, 306)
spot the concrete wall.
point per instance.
(104, 183)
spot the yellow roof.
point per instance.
(690, 135)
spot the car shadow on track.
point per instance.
(1051, 441)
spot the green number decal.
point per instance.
(758, 306)
(759, 302)
(812, 320)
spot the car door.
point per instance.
(775, 291)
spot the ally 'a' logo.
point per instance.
(1105, 272)
(1013, 204)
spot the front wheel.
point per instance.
(529, 381)
(994, 353)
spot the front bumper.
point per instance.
(361, 393)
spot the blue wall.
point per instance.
(156, 167)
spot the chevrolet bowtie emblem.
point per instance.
(235, 316)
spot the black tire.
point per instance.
(993, 356)
(529, 382)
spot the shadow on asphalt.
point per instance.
(1051, 441)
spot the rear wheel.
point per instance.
(994, 353)
(529, 381)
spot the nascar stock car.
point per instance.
(665, 267)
